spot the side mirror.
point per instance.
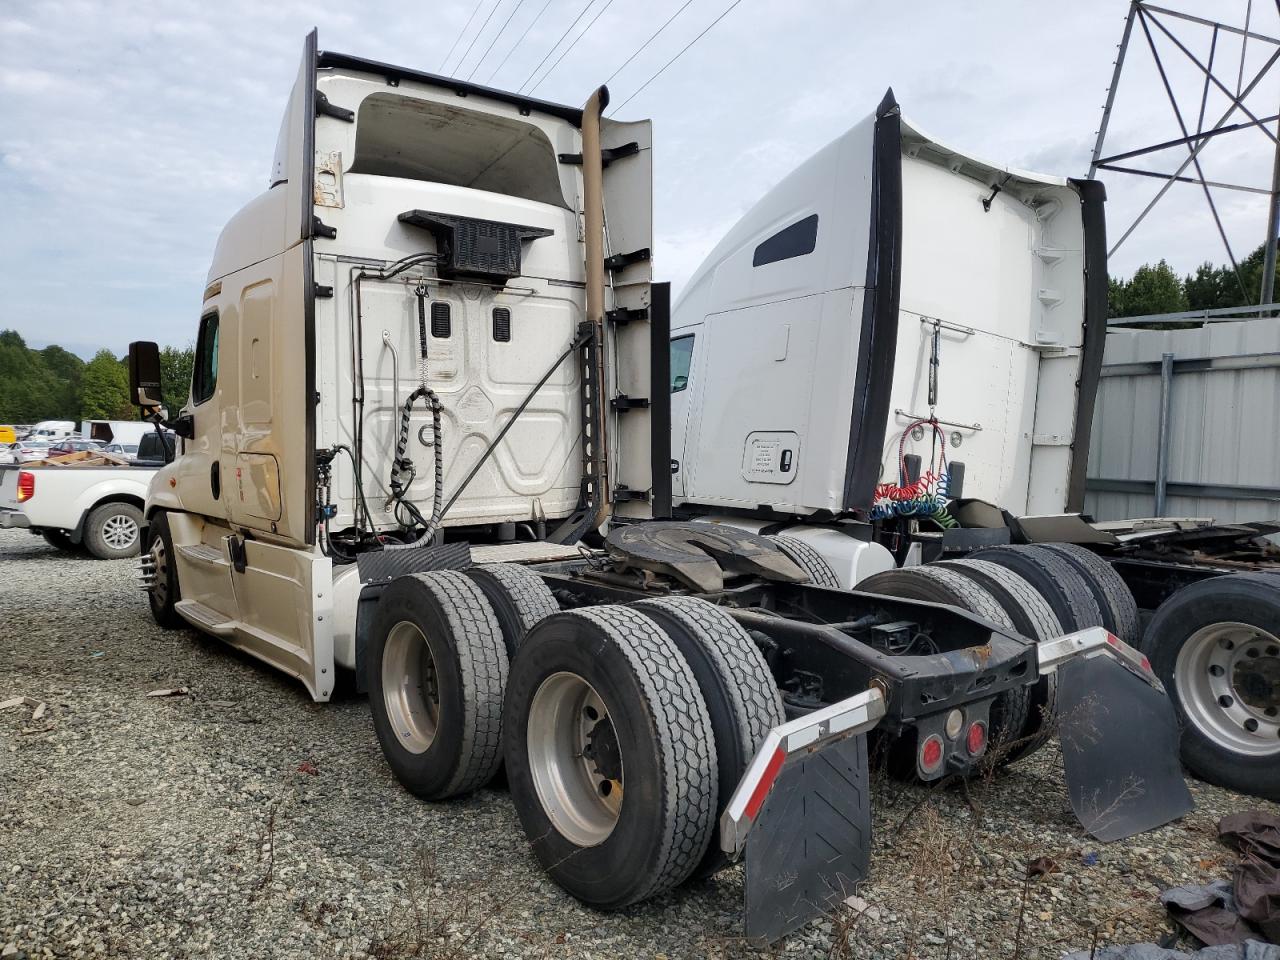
(144, 373)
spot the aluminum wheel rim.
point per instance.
(1228, 680)
(410, 690)
(569, 724)
(120, 532)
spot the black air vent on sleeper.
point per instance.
(441, 326)
(501, 324)
(487, 250)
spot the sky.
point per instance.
(130, 132)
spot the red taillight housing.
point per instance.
(26, 486)
(975, 740)
(931, 753)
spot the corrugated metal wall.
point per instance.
(1224, 427)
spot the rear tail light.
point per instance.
(26, 486)
(976, 739)
(931, 753)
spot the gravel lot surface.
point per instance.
(242, 820)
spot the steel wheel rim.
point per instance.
(1228, 680)
(568, 742)
(410, 690)
(120, 532)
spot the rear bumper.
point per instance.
(11, 519)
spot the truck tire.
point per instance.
(437, 671)
(114, 531)
(601, 701)
(165, 591)
(1111, 592)
(742, 698)
(1054, 578)
(60, 539)
(519, 597)
(1216, 647)
(807, 559)
(1034, 618)
(1011, 709)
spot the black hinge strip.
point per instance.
(321, 229)
(607, 155)
(623, 315)
(326, 109)
(322, 292)
(623, 403)
(621, 260)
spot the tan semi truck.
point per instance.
(427, 442)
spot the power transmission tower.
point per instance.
(1223, 74)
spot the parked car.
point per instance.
(24, 451)
(73, 445)
(122, 449)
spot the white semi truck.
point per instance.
(903, 373)
(427, 442)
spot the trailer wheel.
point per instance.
(164, 591)
(520, 599)
(1009, 710)
(1034, 618)
(1216, 647)
(807, 559)
(610, 755)
(1109, 590)
(1055, 579)
(437, 669)
(742, 698)
(114, 531)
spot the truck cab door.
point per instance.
(633, 328)
(683, 345)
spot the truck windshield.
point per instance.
(399, 136)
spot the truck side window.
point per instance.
(794, 241)
(681, 360)
(204, 376)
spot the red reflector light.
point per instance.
(931, 753)
(765, 783)
(26, 486)
(1146, 664)
(976, 739)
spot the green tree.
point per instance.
(1210, 288)
(66, 369)
(104, 389)
(175, 376)
(29, 390)
(1151, 289)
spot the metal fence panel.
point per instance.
(1222, 453)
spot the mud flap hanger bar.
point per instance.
(1090, 643)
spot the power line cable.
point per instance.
(461, 33)
(677, 56)
(506, 23)
(571, 46)
(642, 46)
(467, 53)
(553, 47)
(513, 49)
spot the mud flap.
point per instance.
(1120, 748)
(811, 843)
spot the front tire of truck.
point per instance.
(742, 698)
(164, 592)
(114, 531)
(437, 671)
(600, 703)
(1216, 647)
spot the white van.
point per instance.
(52, 430)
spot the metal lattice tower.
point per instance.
(1224, 72)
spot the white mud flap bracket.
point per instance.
(1119, 735)
(802, 813)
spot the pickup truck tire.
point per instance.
(60, 539)
(1111, 592)
(165, 591)
(742, 698)
(1034, 618)
(1010, 710)
(520, 599)
(114, 531)
(601, 701)
(1055, 579)
(1216, 647)
(437, 671)
(807, 559)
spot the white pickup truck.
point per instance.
(98, 508)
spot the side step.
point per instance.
(205, 618)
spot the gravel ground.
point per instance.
(242, 820)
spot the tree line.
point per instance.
(1156, 288)
(55, 384)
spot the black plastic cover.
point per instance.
(475, 249)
